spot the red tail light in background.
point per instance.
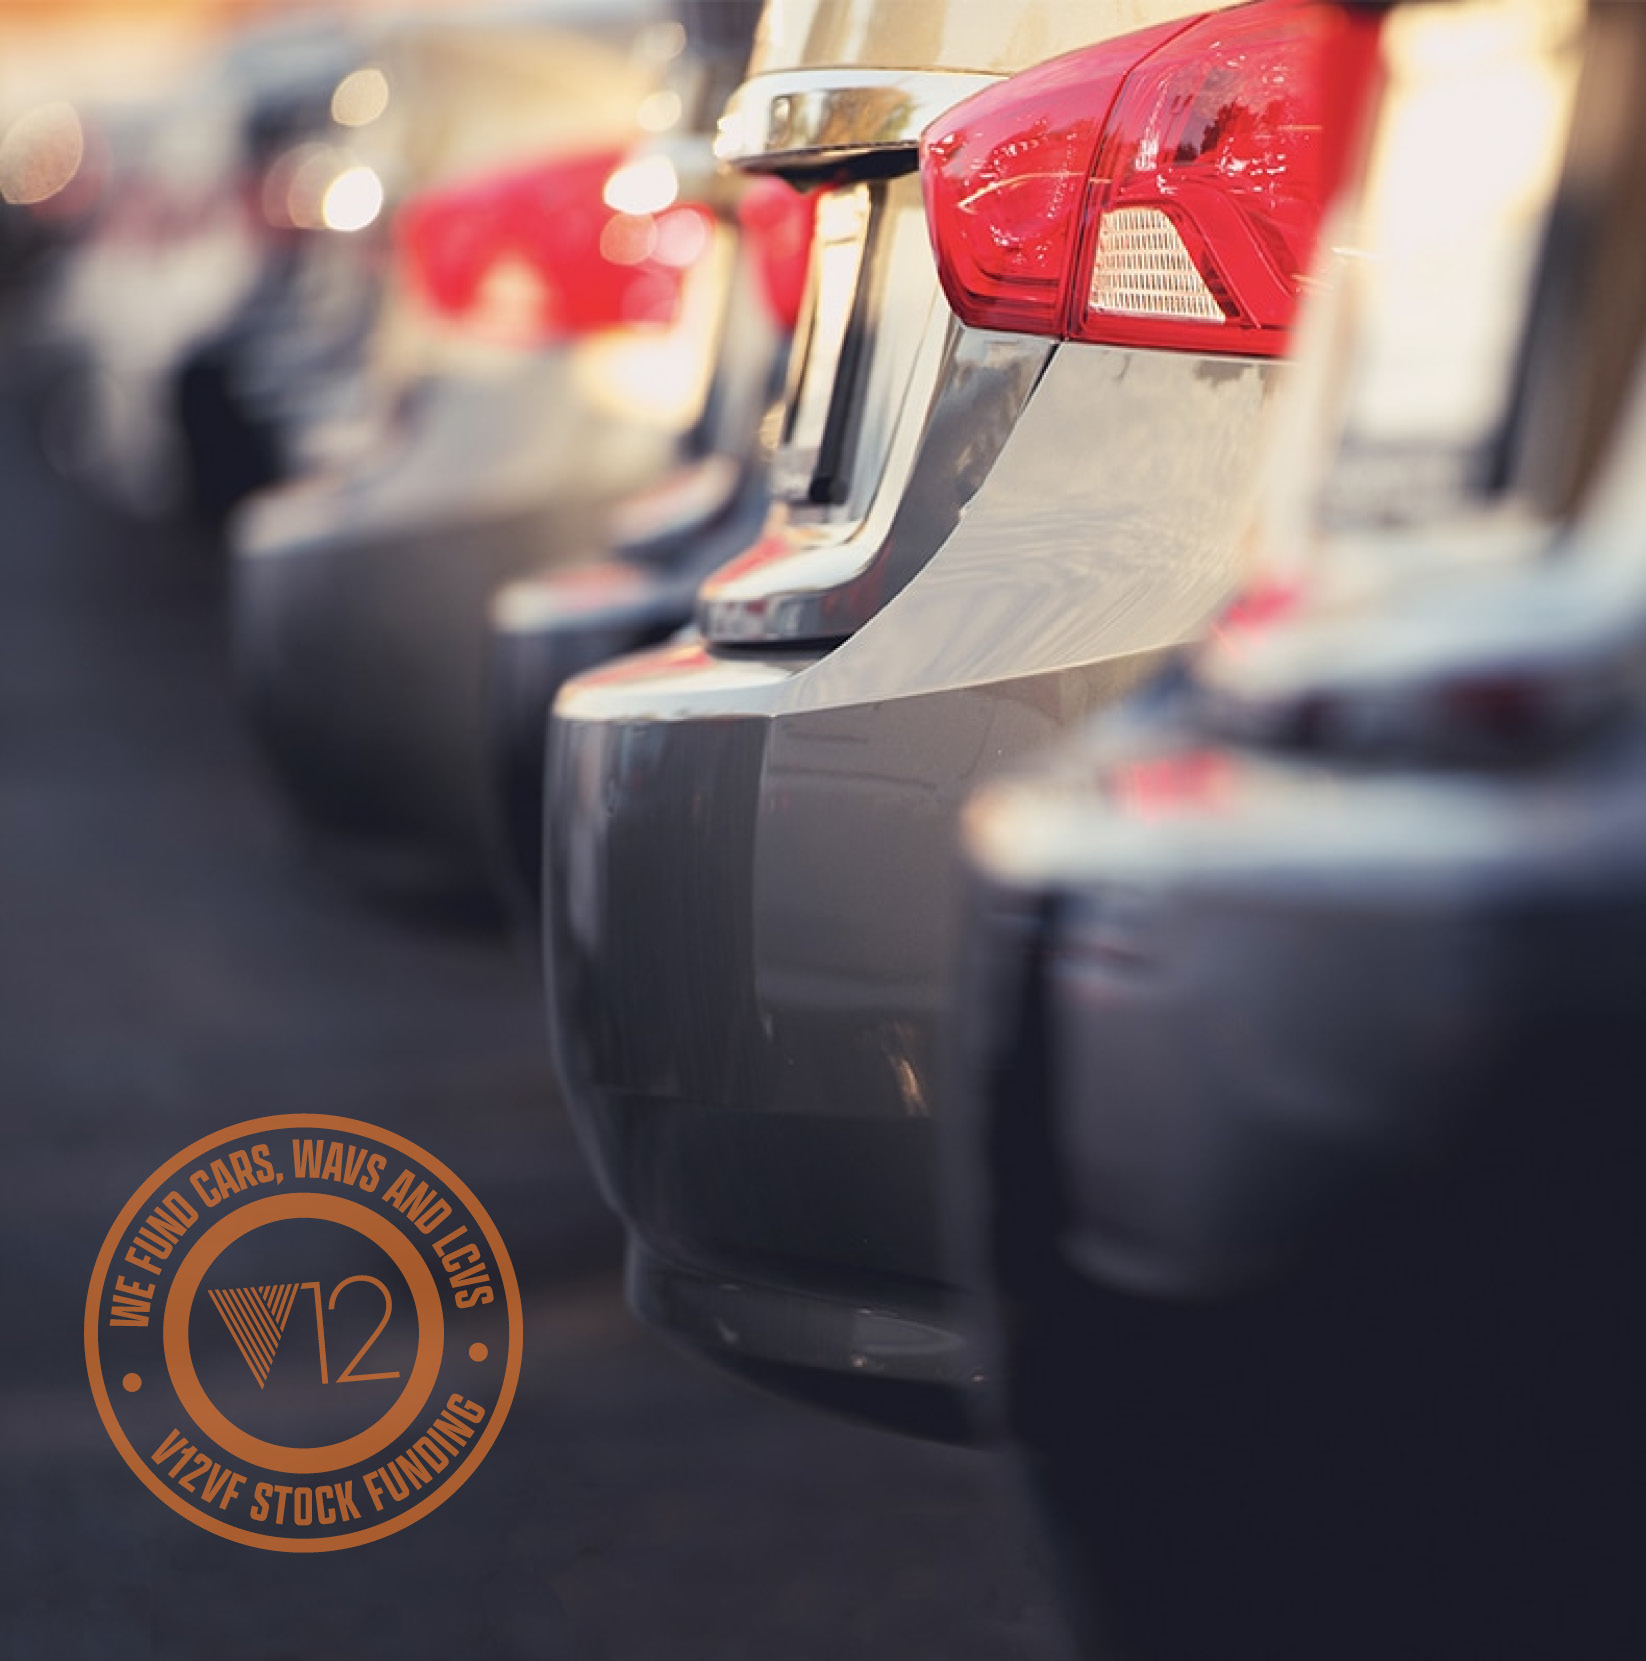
(777, 223)
(1168, 786)
(539, 255)
(1164, 189)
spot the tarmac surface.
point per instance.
(172, 960)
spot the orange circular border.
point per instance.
(296, 1121)
(414, 1393)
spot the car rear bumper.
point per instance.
(360, 607)
(751, 871)
(756, 1116)
(748, 940)
(1354, 955)
(554, 624)
(1312, 1108)
(360, 661)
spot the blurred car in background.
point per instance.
(1007, 482)
(1301, 1006)
(186, 251)
(52, 172)
(548, 347)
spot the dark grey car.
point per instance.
(1303, 1014)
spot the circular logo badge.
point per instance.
(303, 1333)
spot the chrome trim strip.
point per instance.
(800, 117)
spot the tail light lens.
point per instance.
(1163, 189)
(544, 254)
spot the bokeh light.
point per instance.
(647, 185)
(353, 200)
(41, 154)
(361, 97)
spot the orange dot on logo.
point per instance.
(132, 1382)
(478, 1352)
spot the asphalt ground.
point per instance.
(172, 961)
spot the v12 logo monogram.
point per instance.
(303, 1333)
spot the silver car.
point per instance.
(1008, 481)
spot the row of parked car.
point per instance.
(1041, 605)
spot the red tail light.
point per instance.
(538, 255)
(777, 221)
(1163, 189)
(1168, 786)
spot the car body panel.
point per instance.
(957, 35)
(1309, 1127)
(359, 604)
(751, 856)
(558, 622)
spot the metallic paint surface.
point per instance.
(939, 402)
(359, 604)
(1311, 1105)
(980, 35)
(554, 624)
(751, 861)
